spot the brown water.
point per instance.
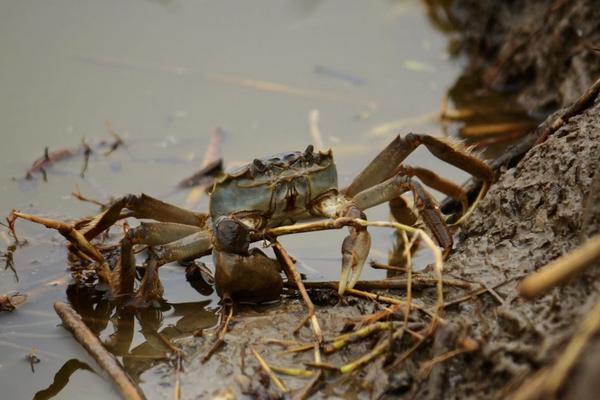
(165, 74)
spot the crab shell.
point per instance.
(276, 190)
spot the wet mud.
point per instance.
(546, 52)
(537, 211)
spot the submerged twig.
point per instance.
(9, 260)
(50, 158)
(87, 151)
(73, 322)
(118, 140)
(33, 359)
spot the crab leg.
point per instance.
(171, 242)
(383, 166)
(142, 206)
(426, 206)
(355, 250)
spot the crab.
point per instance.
(275, 191)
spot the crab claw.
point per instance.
(355, 250)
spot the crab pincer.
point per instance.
(355, 249)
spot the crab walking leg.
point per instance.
(384, 165)
(142, 206)
(83, 246)
(178, 239)
(174, 241)
(393, 188)
(68, 231)
(434, 181)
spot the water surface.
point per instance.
(166, 74)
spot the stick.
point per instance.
(386, 284)
(263, 364)
(210, 155)
(561, 270)
(294, 276)
(73, 322)
(315, 132)
(308, 389)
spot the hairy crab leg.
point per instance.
(81, 243)
(142, 206)
(384, 164)
(393, 188)
(188, 242)
(434, 181)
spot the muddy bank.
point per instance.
(534, 213)
(548, 52)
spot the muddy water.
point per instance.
(165, 74)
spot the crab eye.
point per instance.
(259, 165)
(308, 153)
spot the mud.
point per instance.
(537, 211)
(548, 52)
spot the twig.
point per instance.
(294, 276)
(87, 151)
(344, 340)
(561, 270)
(212, 154)
(297, 372)
(377, 265)
(390, 283)
(315, 132)
(370, 356)
(85, 337)
(263, 364)
(50, 158)
(307, 391)
(118, 140)
(77, 194)
(205, 175)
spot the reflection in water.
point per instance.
(62, 378)
(184, 319)
(487, 119)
